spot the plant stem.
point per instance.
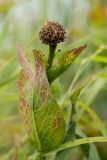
(78, 142)
(38, 156)
(52, 49)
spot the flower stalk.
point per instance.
(52, 49)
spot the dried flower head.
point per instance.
(52, 33)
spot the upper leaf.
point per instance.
(45, 119)
(64, 61)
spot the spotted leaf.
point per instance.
(45, 119)
(65, 60)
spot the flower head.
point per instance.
(52, 33)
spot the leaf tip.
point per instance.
(79, 49)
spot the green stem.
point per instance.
(37, 156)
(52, 49)
(78, 142)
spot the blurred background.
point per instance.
(86, 23)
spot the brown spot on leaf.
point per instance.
(78, 50)
(57, 120)
(73, 53)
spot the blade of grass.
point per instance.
(99, 123)
(9, 71)
(77, 143)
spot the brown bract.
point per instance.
(52, 33)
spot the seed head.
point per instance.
(52, 33)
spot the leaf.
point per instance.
(75, 95)
(93, 155)
(25, 86)
(45, 120)
(64, 62)
(72, 123)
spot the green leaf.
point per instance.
(45, 121)
(72, 122)
(64, 61)
(93, 155)
(75, 95)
